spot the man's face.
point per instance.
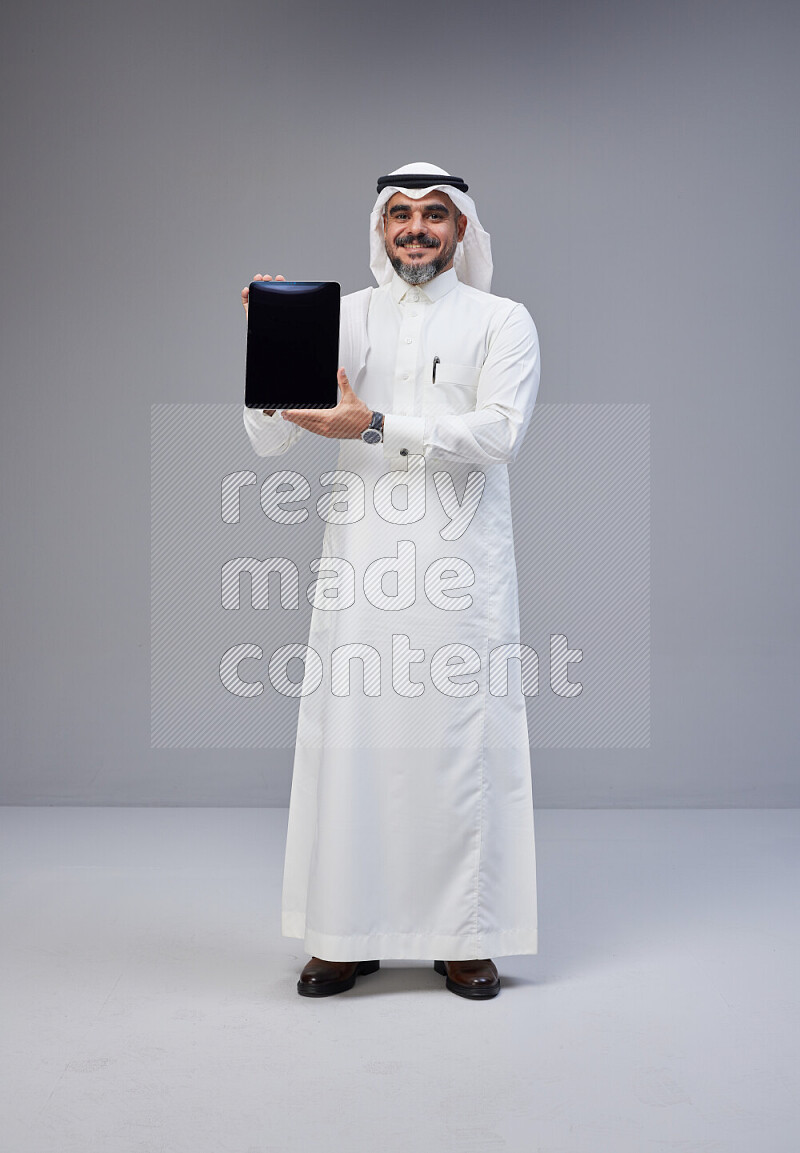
(421, 236)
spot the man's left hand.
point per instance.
(345, 422)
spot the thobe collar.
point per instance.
(434, 290)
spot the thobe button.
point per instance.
(404, 452)
(405, 376)
(409, 339)
(415, 298)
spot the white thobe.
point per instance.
(410, 828)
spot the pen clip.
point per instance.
(433, 374)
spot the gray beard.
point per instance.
(422, 273)
(417, 273)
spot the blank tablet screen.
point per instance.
(292, 344)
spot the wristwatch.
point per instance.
(373, 433)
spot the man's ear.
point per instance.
(461, 226)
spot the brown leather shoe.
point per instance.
(323, 978)
(475, 979)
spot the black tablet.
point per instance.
(292, 344)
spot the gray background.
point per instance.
(637, 167)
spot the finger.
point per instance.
(280, 277)
(300, 414)
(303, 417)
(344, 383)
(326, 423)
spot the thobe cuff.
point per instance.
(402, 436)
(268, 434)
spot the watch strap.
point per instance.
(375, 424)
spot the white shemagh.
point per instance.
(473, 259)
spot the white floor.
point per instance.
(149, 1001)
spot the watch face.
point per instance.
(371, 435)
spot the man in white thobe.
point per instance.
(411, 816)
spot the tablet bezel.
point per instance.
(266, 314)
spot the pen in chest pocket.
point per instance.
(433, 373)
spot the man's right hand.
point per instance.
(245, 302)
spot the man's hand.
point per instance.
(245, 302)
(345, 422)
